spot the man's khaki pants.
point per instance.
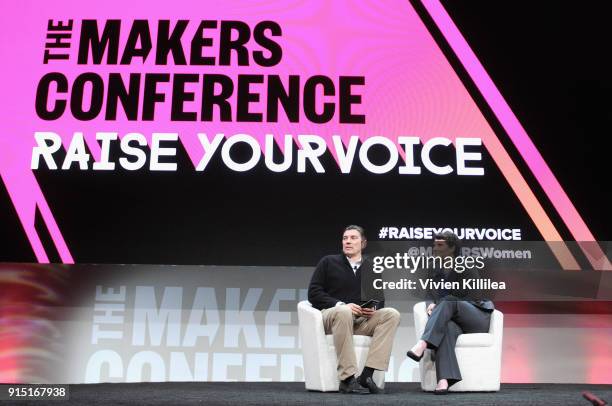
(342, 324)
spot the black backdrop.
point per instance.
(549, 60)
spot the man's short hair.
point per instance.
(358, 228)
(451, 239)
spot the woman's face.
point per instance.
(442, 249)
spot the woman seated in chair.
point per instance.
(451, 313)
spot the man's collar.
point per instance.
(353, 261)
(363, 258)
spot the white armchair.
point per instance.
(478, 356)
(320, 361)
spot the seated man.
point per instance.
(336, 290)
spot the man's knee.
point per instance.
(343, 314)
(391, 314)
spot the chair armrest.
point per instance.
(314, 346)
(496, 327)
(310, 318)
(420, 319)
(311, 330)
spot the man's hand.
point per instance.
(430, 308)
(356, 309)
(367, 313)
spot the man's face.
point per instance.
(352, 244)
(441, 249)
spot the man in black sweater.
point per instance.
(336, 290)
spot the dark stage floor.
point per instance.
(276, 393)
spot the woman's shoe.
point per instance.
(441, 391)
(415, 357)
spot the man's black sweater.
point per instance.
(335, 281)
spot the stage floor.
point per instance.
(293, 393)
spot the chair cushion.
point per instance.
(358, 341)
(475, 340)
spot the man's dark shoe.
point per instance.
(370, 385)
(350, 385)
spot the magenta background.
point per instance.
(410, 87)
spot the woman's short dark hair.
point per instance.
(358, 228)
(451, 239)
